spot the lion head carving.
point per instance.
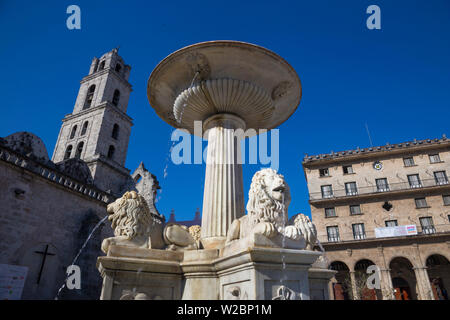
(129, 215)
(269, 198)
(133, 223)
(267, 209)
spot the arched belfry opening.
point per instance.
(68, 152)
(115, 131)
(84, 129)
(79, 150)
(116, 97)
(89, 97)
(74, 131)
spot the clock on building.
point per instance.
(377, 165)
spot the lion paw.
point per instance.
(266, 228)
(292, 232)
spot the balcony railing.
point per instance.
(359, 235)
(401, 186)
(333, 238)
(434, 229)
(428, 229)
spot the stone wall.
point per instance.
(42, 207)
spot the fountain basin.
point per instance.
(224, 65)
(249, 273)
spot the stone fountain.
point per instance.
(226, 86)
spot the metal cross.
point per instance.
(44, 257)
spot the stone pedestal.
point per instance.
(320, 279)
(248, 271)
(223, 197)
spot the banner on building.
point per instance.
(398, 231)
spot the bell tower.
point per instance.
(98, 129)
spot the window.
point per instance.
(83, 130)
(391, 223)
(421, 203)
(324, 172)
(434, 158)
(355, 209)
(350, 188)
(330, 212)
(111, 152)
(115, 131)
(101, 66)
(327, 191)
(446, 199)
(79, 150)
(414, 181)
(116, 97)
(440, 177)
(89, 97)
(333, 233)
(74, 131)
(358, 231)
(347, 169)
(382, 184)
(408, 162)
(427, 225)
(68, 152)
(118, 67)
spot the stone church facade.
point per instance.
(49, 207)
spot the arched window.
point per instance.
(115, 132)
(118, 67)
(79, 149)
(89, 96)
(111, 152)
(74, 131)
(68, 152)
(101, 66)
(116, 97)
(83, 130)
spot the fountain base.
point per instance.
(251, 269)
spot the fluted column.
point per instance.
(223, 197)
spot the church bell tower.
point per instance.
(98, 129)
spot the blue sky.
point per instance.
(397, 79)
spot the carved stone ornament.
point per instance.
(267, 209)
(284, 293)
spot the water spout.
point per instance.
(79, 252)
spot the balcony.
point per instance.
(377, 190)
(369, 235)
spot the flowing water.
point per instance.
(80, 251)
(283, 245)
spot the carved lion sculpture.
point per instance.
(267, 209)
(308, 230)
(133, 224)
(180, 237)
